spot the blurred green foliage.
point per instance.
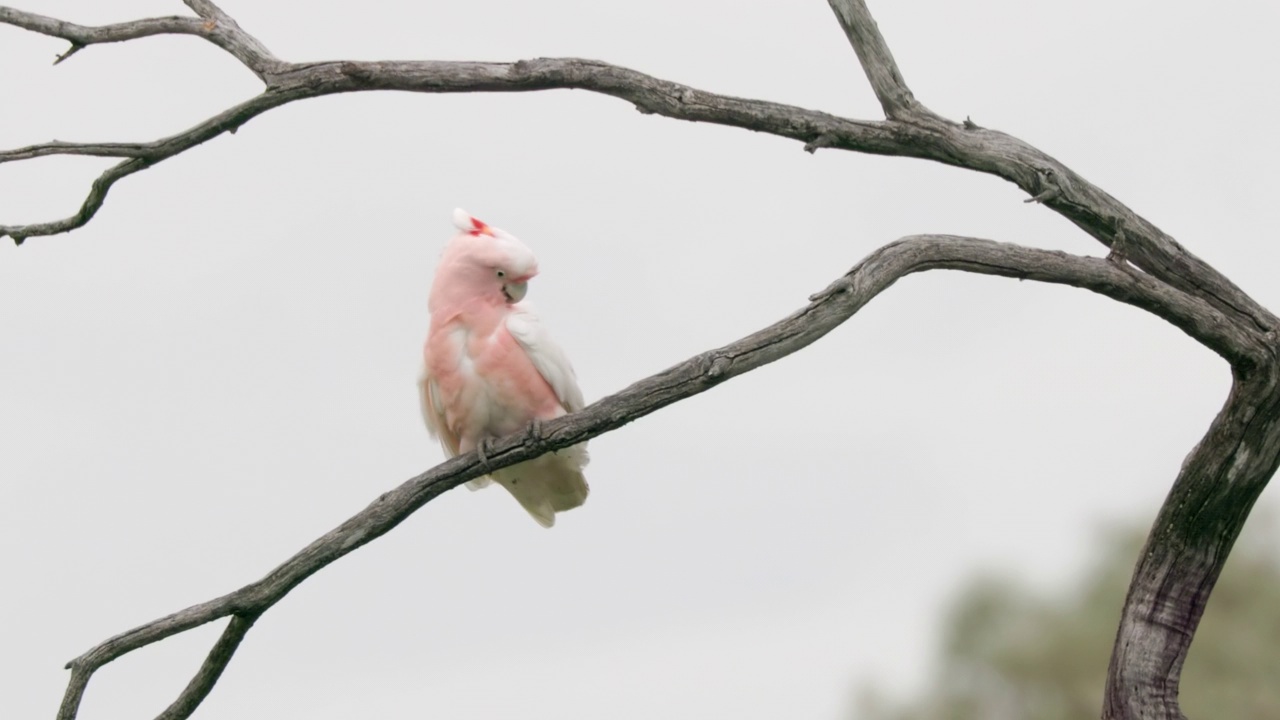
(1009, 653)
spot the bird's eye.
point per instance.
(502, 273)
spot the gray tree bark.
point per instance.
(1195, 529)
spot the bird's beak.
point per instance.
(515, 290)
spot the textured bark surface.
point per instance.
(1189, 544)
(1196, 527)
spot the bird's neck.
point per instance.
(480, 312)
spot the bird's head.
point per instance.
(482, 262)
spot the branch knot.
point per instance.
(841, 285)
(824, 140)
(1051, 185)
(717, 367)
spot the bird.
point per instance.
(490, 368)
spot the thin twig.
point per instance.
(75, 48)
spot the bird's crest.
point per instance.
(471, 225)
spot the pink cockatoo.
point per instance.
(490, 368)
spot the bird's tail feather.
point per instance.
(547, 484)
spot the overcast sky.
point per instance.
(220, 367)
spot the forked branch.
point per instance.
(213, 25)
(877, 62)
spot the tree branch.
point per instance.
(827, 310)
(877, 62)
(309, 80)
(140, 156)
(219, 656)
(57, 147)
(216, 27)
(1188, 545)
(924, 136)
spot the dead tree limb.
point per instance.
(826, 310)
(1210, 498)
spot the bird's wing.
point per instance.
(437, 426)
(546, 356)
(433, 414)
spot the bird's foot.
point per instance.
(482, 449)
(533, 433)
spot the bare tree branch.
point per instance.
(1188, 545)
(221, 653)
(140, 156)
(216, 27)
(57, 147)
(222, 30)
(1223, 475)
(327, 78)
(877, 62)
(925, 136)
(827, 309)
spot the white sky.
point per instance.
(221, 365)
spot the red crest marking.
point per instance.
(480, 228)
